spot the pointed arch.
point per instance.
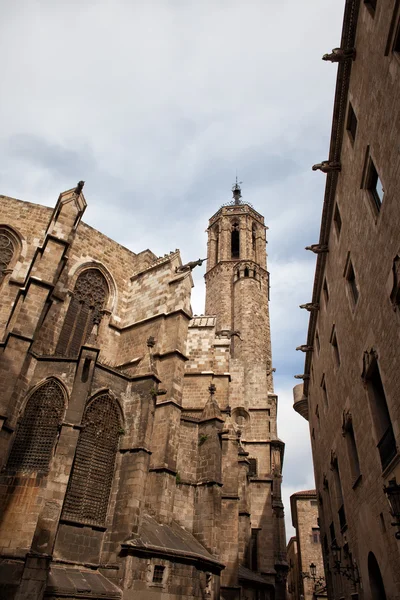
(38, 428)
(10, 249)
(375, 579)
(84, 312)
(92, 473)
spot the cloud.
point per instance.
(156, 105)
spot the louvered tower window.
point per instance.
(37, 430)
(92, 473)
(84, 311)
(7, 250)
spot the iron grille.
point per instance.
(7, 250)
(92, 473)
(37, 431)
(158, 573)
(84, 311)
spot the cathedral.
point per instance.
(138, 442)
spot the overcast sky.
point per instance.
(156, 104)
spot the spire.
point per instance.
(237, 192)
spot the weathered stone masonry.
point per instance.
(138, 444)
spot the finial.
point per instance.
(237, 192)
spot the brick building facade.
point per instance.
(352, 368)
(138, 444)
(304, 550)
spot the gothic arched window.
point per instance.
(93, 470)
(84, 311)
(8, 248)
(37, 430)
(253, 237)
(235, 241)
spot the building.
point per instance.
(352, 367)
(139, 449)
(306, 579)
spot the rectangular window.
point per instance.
(352, 453)
(374, 185)
(351, 281)
(332, 532)
(324, 392)
(254, 549)
(396, 43)
(337, 220)
(317, 342)
(381, 417)
(335, 346)
(326, 291)
(158, 573)
(351, 125)
(315, 535)
(252, 467)
(371, 5)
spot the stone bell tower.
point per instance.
(237, 281)
(237, 293)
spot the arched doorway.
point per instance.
(375, 579)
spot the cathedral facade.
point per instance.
(138, 443)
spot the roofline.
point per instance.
(338, 122)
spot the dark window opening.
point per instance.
(351, 280)
(324, 392)
(216, 244)
(246, 272)
(395, 293)
(396, 44)
(326, 291)
(375, 579)
(158, 573)
(86, 370)
(371, 5)
(254, 549)
(238, 274)
(335, 346)
(235, 241)
(374, 185)
(252, 467)
(84, 313)
(352, 453)
(339, 495)
(383, 424)
(332, 533)
(317, 342)
(37, 431)
(351, 123)
(337, 220)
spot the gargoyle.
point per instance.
(190, 265)
(229, 333)
(304, 348)
(303, 376)
(326, 166)
(310, 306)
(340, 55)
(317, 248)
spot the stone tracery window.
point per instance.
(37, 430)
(8, 249)
(93, 470)
(84, 311)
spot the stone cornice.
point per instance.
(338, 124)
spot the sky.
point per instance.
(157, 104)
